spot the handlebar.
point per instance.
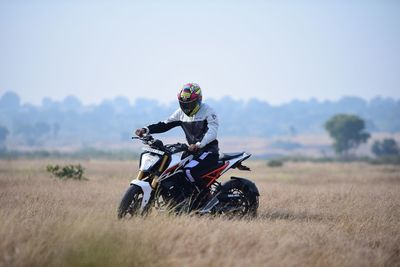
(144, 138)
(149, 140)
(158, 144)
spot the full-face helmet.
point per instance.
(190, 98)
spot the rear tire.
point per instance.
(131, 202)
(248, 200)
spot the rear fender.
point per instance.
(247, 184)
(233, 163)
(146, 188)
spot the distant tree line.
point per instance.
(70, 122)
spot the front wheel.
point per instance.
(131, 202)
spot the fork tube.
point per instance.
(160, 170)
(140, 175)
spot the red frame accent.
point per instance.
(171, 169)
(215, 174)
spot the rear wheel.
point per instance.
(131, 202)
(238, 201)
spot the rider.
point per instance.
(200, 124)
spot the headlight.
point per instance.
(148, 161)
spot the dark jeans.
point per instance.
(200, 165)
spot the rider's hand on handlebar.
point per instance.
(193, 148)
(140, 132)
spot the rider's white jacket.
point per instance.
(199, 129)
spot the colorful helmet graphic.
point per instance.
(190, 98)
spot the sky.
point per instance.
(270, 50)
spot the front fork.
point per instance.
(140, 175)
(147, 187)
(154, 180)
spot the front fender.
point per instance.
(146, 188)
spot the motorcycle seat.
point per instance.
(228, 156)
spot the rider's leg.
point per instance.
(198, 166)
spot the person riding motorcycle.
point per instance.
(200, 125)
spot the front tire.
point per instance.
(131, 202)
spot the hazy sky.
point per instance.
(271, 50)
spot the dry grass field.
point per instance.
(310, 215)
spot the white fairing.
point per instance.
(233, 161)
(186, 160)
(175, 159)
(148, 160)
(146, 188)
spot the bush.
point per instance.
(275, 163)
(74, 172)
(386, 147)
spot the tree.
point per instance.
(3, 136)
(388, 147)
(71, 103)
(56, 129)
(33, 133)
(10, 101)
(347, 131)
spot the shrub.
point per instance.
(275, 163)
(74, 172)
(386, 147)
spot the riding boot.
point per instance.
(204, 192)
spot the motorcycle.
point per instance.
(162, 184)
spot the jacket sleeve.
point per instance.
(163, 126)
(212, 124)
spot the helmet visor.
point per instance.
(189, 106)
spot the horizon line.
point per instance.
(245, 101)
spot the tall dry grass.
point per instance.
(310, 215)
